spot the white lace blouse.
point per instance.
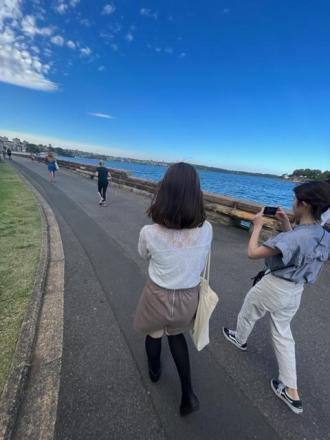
(176, 257)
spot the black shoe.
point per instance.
(280, 391)
(189, 405)
(230, 335)
(154, 377)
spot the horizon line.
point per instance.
(121, 153)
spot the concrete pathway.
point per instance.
(105, 392)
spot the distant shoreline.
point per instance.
(167, 164)
(18, 145)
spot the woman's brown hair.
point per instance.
(178, 203)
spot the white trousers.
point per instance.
(281, 299)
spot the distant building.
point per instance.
(15, 145)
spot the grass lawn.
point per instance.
(20, 241)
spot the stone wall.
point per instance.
(219, 208)
(222, 209)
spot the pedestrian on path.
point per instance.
(9, 153)
(102, 174)
(52, 166)
(176, 246)
(293, 258)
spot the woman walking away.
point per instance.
(176, 246)
(51, 164)
(102, 174)
(293, 258)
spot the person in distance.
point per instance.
(102, 174)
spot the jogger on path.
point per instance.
(102, 174)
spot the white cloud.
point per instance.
(183, 54)
(101, 115)
(71, 44)
(48, 52)
(20, 62)
(30, 28)
(9, 9)
(57, 40)
(85, 51)
(101, 68)
(62, 7)
(129, 37)
(114, 47)
(108, 9)
(149, 13)
(19, 67)
(158, 49)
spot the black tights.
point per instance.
(102, 188)
(180, 353)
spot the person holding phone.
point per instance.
(293, 258)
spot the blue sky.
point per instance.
(229, 83)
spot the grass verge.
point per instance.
(20, 241)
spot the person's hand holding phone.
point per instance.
(258, 219)
(282, 216)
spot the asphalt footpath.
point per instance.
(105, 392)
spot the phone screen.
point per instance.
(270, 210)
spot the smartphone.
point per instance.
(270, 210)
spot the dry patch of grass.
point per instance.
(20, 241)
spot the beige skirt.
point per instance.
(165, 311)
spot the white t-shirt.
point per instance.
(325, 217)
(177, 257)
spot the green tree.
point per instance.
(32, 148)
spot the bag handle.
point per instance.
(206, 272)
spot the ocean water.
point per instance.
(263, 190)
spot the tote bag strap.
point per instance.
(206, 272)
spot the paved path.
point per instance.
(105, 392)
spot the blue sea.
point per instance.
(263, 190)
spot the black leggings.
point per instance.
(102, 187)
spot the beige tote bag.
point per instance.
(208, 300)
